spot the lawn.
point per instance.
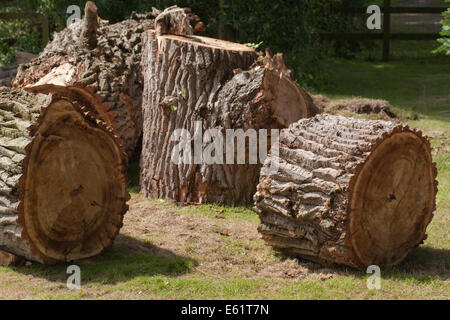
(212, 252)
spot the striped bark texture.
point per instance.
(62, 178)
(347, 191)
(101, 56)
(189, 79)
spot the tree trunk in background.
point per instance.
(189, 79)
(100, 56)
(226, 32)
(348, 191)
(24, 57)
(62, 178)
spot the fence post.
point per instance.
(386, 29)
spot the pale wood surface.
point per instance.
(62, 177)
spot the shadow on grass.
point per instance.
(127, 259)
(423, 265)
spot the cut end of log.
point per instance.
(201, 41)
(392, 199)
(63, 190)
(289, 102)
(78, 196)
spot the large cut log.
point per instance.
(101, 56)
(197, 83)
(62, 178)
(347, 191)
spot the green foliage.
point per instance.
(254, 45)
(292, 27)
(18, 35)
(445, 42)
(288, 26)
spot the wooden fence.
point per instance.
(386, 35)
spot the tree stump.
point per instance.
(190, 80)
(101, 56)
(62, 178)
(347, 191)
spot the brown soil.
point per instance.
(220, 245)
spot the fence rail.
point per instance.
(386, 35)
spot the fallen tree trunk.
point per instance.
(194, 84)
(347, 191)
(105, 58)
(62, 178)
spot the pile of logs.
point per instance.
(348, 191)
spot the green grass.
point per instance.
(206, 210)
(209, 210)
(419, 85)
(339, 287)
(116, 266)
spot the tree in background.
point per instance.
(289, 26)
(17, 35)
(445, 42)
